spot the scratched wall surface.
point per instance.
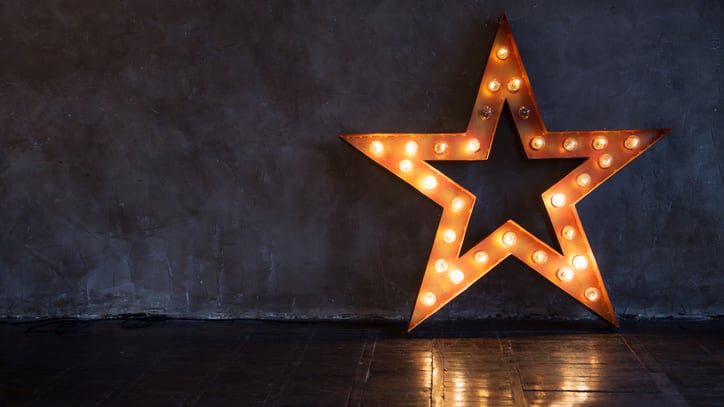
(182, 158)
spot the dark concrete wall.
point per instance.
(182, 157)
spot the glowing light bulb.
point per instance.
(579, 262)
(376, 147)
(486, 113)
(502, 53)
(539, 256)
(449, 236)
(473, 145)
(570, 144)
(514, 85)
(592, 294)
(480, 256)
(411, 148)
(428, 298)
(457, 203)
(565, 273)
(605, 160)
(429, 182)
(441, 265)
(568, 232)
(457, 276)
(440, 148)
(599, 143)
(583, 180)
(558, 200)
(537, 142)
(631, 142)
(494, 85)
(509, 238)
(405, 166)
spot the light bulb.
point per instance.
(428, 298)
(579, 262)
(480, 256)
(568, 232)
(494, 85)
(405, 166)
(539, 256)
(502, 53)
(631, 142)
(565, 273)
(457, 203)
(583, 180)
(570, 144)
(441, 265)
(524, 112)
(411, 147)
(509, 238)
(558, 200)
(457, 276)
(599, 143)
(605, 160)
(537, 142)
(514, 85)
(473, 145)
(376, 147)
(449, 236)
(592, 294)
(440, 148)
(429, 182)
(486, 113)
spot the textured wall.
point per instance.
(182, 157)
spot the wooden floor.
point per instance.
(250, 363)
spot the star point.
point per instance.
(449, 272)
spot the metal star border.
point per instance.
(448, 273)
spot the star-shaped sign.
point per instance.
(448, 272)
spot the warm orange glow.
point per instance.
(568, 232)
(449, 236)
(411, 148)
(441, 265)
(405, 166)
(579, 262)
(429, 183)
(565, 273)
(583, 180)
(502, 53)
(428, 299)
(473, 145)
(376, 147)
(457, 203)
(457, 276)
(480, 256)
(514, 85)
(450, 272)
(539, 256)
(558, 199)
(631, 142)
(605, 161)
(592, 294)
(599, 143)
(537, 143)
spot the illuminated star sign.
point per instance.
(448, 273)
